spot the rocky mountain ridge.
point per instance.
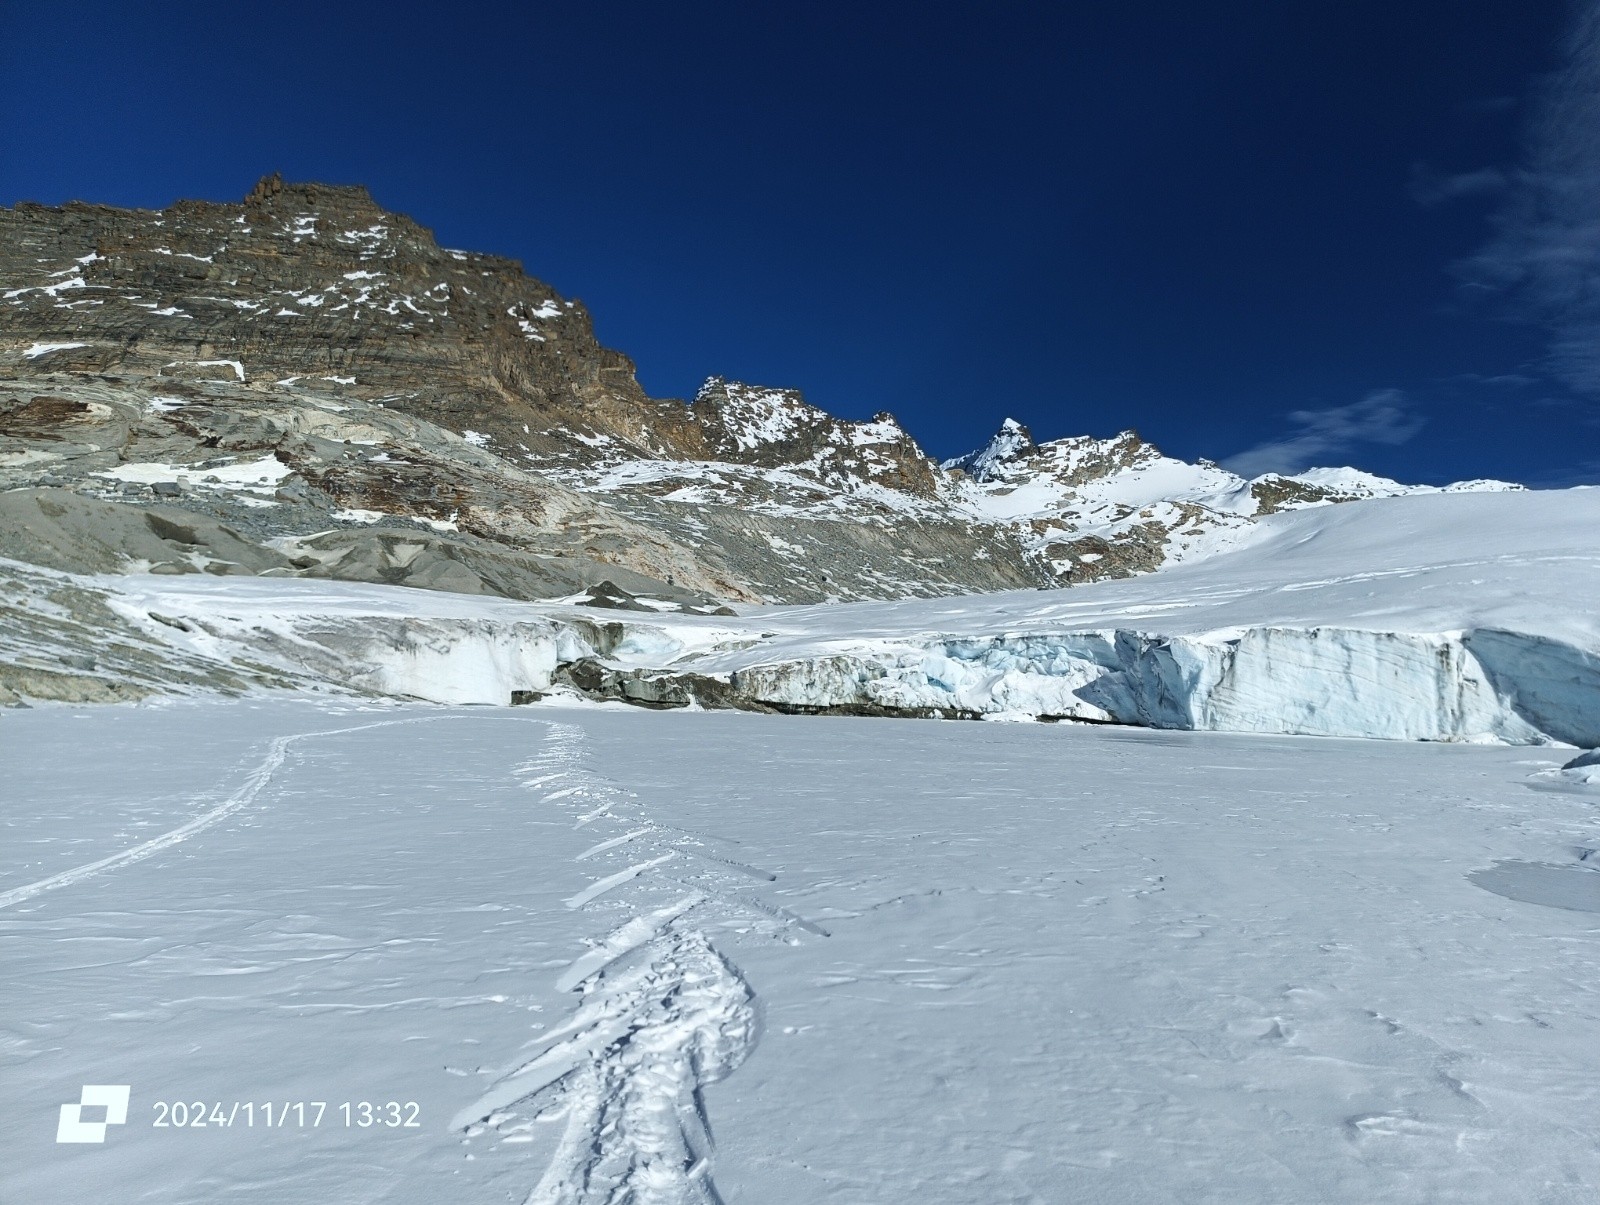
(305, 384)
(1093, 508)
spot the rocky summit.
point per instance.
(306, 384)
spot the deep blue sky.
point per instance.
(1195, 219)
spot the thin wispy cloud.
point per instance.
(1324, 436)
(1431, 187)
(1502, 380)
(1545, 256)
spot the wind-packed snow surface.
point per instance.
(613, 955)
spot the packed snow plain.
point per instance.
(672, 957)
(603, 954)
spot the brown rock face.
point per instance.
(1273, 494)
(400, 382)
(310, 282)
(306, 282)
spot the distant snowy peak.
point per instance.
(754, 416)
(757, 416)
(1012, 463)
(1348, 483)
(1012, 458)
(777, 428)
(1009, 444)
(1090, 508)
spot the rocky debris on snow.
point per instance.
(64, 530)
(610, 596)
(156, 354)
(1582, 771)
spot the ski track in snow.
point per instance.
(662, 1015)
(628, 873)
(256, 781)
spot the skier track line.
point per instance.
(254, 783)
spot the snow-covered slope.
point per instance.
(1094, 508)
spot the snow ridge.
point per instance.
(663, 1014)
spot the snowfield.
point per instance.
(344, 939)
(605, 954)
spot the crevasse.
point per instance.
(1330, 680)
(1325, 681)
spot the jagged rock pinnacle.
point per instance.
(1011, 442)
